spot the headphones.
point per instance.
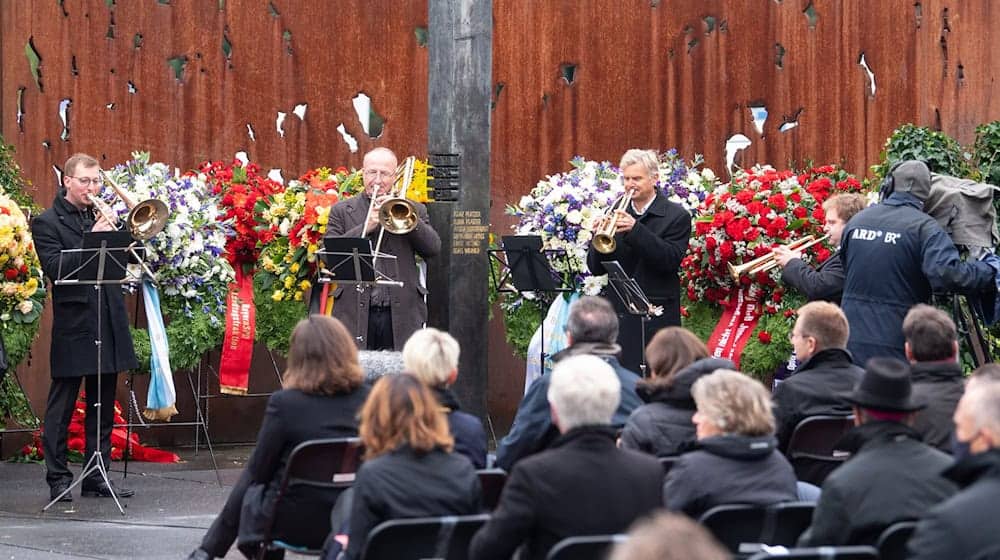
(888, 185)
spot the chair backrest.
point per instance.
(491, 481)
(592, 547)
(822, 553)
(811, 447)
(427, 538)
(778, 524)
(330, 461)
(668, 462)
(892, 543)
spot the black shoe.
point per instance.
(200, 554)
(102, 490)
(57, 489)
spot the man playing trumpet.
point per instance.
(650, 238)
(826, 281)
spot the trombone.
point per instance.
(145, 219)
(397, 214)
(604, 236)
(766, 262)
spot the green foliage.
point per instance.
(986, 152)
(14, 403)
(700, 317)
(190, 338)
(275, 319)
(12, 183)
(942, 153)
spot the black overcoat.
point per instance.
(74, 307)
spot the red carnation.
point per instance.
(778, 202)
(795, 197)
(764, 337)
(789, 313)
(10, 273)
(800, 212)
(744, 197)
(819, 215)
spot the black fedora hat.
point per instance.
(885, 385)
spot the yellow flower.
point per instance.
(294, 268)
(312, 248)
(31, 286)
(289, 282)
(298, 296)
(278, 295)
(305, 285)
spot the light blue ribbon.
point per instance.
(162, 397)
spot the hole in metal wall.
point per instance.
(779, 55)
(163, 2)
(275, 175)
(58, 171)
(812, 16)
(34, 62)
(568, 71)
(937, 118)
(112, 70)
(110, 106)
(46, 144)
(735, 143)
(692, 44)
(279, 123)
(64, 106)
(352, 142)
(222, 5)
(709, 24)
(945, 24)
(670, 53)
(654, 3)
(137, 41)
(918, 14)
(496, 94)
(372, 123)
(421, 34)
(961, 73)
(20, 108)
(131, 88)
(758, 115)
(788, 122)
(272, 9)
(111, 26)
(286, 37)
(300, 111)
(868, 72)
(242, 157)
(178, 63)
(72, 66)
(227, 48)
(545, 100)
(251, 133)
(723, 26)
(62, 6)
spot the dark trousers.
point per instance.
(59, 410)
(222, 533)
(380, 329)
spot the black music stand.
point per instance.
(103, 260)
(634, 300)
(525, 267)
(351, 260)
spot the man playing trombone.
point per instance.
(383, 317)
(649, 238)
(826, 281)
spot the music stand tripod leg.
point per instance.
(204, 426)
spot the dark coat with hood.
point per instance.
(825, 282)
(891, 476)
(940, 385)
(470, 437)
(582, 485)
(533, 430)
(964, 526)
(663, 426)
(650, 254)
(409, 312)
(729, 469)
(813, 389)
(74, 307)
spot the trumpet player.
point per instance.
(73, 354)
(826, 281)
(383, 317)
(650, 238)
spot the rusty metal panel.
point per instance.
(183, 79)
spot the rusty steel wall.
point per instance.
(281, 53)
(672, 73)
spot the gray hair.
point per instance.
(377, 363)
(645, 158)
(584, 391)
(981, 402)
(431, 355)
(592, 319)
(734, 402)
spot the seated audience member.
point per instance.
(736, 460)
(669, 536)
(662, 426)
(321, 396)
(409, 468)
(583, 484)
(592, 328)
(432, 356)
(825, 370)
(964, 526)
(932, 349)
(891, 476)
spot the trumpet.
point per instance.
(604, 236)
(145, 218)
(766, 262)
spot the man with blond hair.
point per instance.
(819, 338)
(583, 484)
(432, 356)
(932, 350)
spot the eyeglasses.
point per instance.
(87, 181)
(378, 173)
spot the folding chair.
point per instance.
(491, 481)
(821, 553)
(426, 538)
(737, 524)
(892, 542)
(811, 447)
(317, 472)
(594, 547)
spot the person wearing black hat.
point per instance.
(892, 476)
(895, 256)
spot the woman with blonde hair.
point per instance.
(409, 468)
(737, 461)
(321, 394)
(676, 358)
(432, 356)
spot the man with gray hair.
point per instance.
(651, 237)
(591, 329)
(584, 484)
(932, 349)
(959, 527)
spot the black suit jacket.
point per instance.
(825, 282)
